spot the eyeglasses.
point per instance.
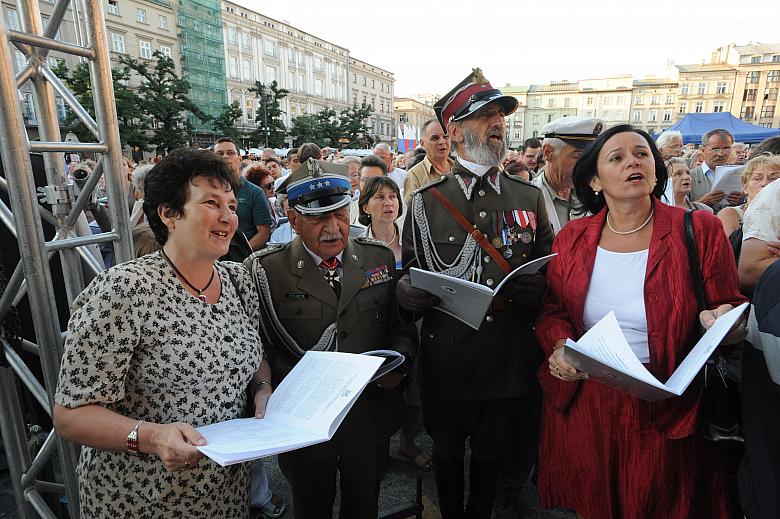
(719, 150)
(268, 186)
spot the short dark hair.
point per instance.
(516, 167)
(770, 145)
(308, 151)
(278, 162)
(373, 185)
(293, 151)
(586, 168)
(166, 183)
(228, 139)
(531, 143)
(705, 139)
(374, 161)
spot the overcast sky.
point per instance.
(431, 46)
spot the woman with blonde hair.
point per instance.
(758, 172)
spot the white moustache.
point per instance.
(328, 237)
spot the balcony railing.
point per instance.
(163, 3)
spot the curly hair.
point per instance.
(166, 184)
(586, 168)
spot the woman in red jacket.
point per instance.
(604, 453)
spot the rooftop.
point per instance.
(706, 67)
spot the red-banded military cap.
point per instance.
(470, 95)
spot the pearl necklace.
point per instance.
(634, 230)
(395, 235)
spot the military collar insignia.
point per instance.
(466, 183)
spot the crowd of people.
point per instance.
(247, 262)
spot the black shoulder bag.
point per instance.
(721, 420)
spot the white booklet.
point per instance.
(604, 353)
(465, 300)
(307, 408)
(727, 179)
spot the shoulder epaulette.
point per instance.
(370, 241)
(265, 251)
(518, 179)
(430, 184)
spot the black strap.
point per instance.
(693, 261)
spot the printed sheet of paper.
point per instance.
(727, 179)
(604, 353)
(306, 408)
(465, 300)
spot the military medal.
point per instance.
(497, 242)
(526, 237)
(508, 252)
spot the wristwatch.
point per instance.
(132, 441)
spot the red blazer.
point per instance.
(670, 303)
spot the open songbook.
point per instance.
(465, 300)
(604, 353)
(307, 407)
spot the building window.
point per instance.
(683, 108)
(589, 113)
(551, 103)
(637, 116)
(773, 76)
(318, 87)
(518, 134)
(250, 109)
(721, 88)
(605, 100)
(654, 100)
(162, 22)
(233, 66)
(536, 119)
(537, 102)
(59, 103)
(354, 79)
(231, 35)
(749, 94)
(166, 50)
(702, 89)
(247, 69)
(270, 74)
(638, 100)
(550, 118)
(589, 101)
(140, 15)
(652, 116)
(269, 47)
(752, 77)
(619, 100)
(567, 102)
(768, 111)
(245, 39)
(619, 115)
(113, 7)
(373, 83)
(301, 83)
(669, 99)
(365, 81)
(317, 63)
(776, 58)
(145, 49)
(755, 59)
(118, 43)
(717, 106)
(29, 109)
(684, 89)
(668, 115)
(770, 94)
(699, 107)
(746, 114)
(301, 58)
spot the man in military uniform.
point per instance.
(325, 291)
(474, 381)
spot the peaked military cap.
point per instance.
(470, 95)
(318, 187)
(577, 131)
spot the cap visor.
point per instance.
(323, 205)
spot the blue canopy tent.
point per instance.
(693, 126)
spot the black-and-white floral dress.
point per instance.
(141, 345)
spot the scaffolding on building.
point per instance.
(32, 276)
(203, 61)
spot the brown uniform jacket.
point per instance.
(366, 316)
(499, 360)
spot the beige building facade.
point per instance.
(608, 99)
(259, 48)
(757, 82)
(654, 104)
(705, 88)
(545, 103)
(374, 86)
(515, 123)
(410, 115)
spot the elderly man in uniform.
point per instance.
(564, 141)
(325, 291)
(478, 224)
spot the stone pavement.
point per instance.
(398, 489)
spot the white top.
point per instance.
(477, 169)
(762, 218)
(398, 176)
(618, 284)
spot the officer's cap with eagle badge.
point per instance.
(318, 187)
(470, 95)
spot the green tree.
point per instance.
(225, 123)
(330, 124)
(353, 124)
(307, 128)
(165, 100)
(272, 131)
(133, 122)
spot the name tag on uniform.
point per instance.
(296, 296)
(377, 276)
